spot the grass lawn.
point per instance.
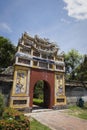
(38, 102)
(35, 125)
(78, 111)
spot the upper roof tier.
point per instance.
(39, 44)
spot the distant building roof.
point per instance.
(8, 71)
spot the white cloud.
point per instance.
(4, 27)
(76, 8)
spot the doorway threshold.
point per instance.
(39, 109)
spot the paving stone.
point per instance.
(57, 120)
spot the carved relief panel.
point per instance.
(59, 84)
(21, 81)
(60, 98)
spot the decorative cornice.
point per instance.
(26, 56)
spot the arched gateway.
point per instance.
(37, 59)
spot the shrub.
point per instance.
(11, 124)
(1, 104)
(14, 120)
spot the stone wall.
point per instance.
(5, 87)
(74, 91)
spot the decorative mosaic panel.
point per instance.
(59, 85)
(21, 82)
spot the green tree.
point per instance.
(38, 90)
(1, 104)
(81, 70)
(7, 51)
(72, 59)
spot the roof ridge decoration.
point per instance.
(49, 47)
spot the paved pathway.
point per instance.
(58, 120)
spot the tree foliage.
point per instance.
(72, 59)
(38, 90)
(1, 104)
(81, 70)
(7, 51)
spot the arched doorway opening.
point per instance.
(41, 95)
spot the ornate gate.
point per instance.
(37, 59)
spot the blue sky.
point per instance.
(61, 21)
